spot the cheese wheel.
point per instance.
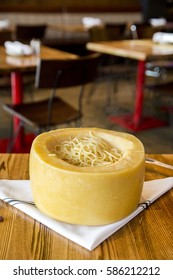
(87, 195)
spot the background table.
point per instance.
(142, 51)
(16, 66)
(148, 236)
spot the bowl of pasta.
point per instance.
(87, 176)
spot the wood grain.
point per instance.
(148, 236)
(134, 49)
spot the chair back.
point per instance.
(60, 73)
(107, 32)
(5, 35)
(142, 31)
(25, 33)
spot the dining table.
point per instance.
(142, 51)
(17, 66)
(148, 236)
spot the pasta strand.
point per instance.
(87, 151)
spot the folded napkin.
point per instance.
(4, 23)
(12, 191)
(162, 37)
(90, 21)
(157, 21)
(17, 48)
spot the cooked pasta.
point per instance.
(87, 151)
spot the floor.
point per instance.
(96, 113)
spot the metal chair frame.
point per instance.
(55, 74)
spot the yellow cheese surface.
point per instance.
(87, 195)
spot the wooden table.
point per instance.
(142, 51)
(148, 236)
(17, 65)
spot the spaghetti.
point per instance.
(87, 151)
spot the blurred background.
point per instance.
(69, 27)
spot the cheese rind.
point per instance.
(87, 195)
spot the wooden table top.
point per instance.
(135, 49)
(10, 63)
(148, 236)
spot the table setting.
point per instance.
(18, 194)
(163, 38)
(17, 48)
(4, 24)
(25, 194)
(39, 203)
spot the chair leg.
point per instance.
(111, 90)
(91, 92)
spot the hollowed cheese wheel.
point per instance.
(87, 195)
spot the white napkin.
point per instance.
(157, 21)
(89, 237)
(4, 23)
(17, 48)
(90, 21)
(162, 37)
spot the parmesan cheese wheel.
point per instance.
(90, 194)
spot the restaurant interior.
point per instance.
(69, 26)
(103, 70)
